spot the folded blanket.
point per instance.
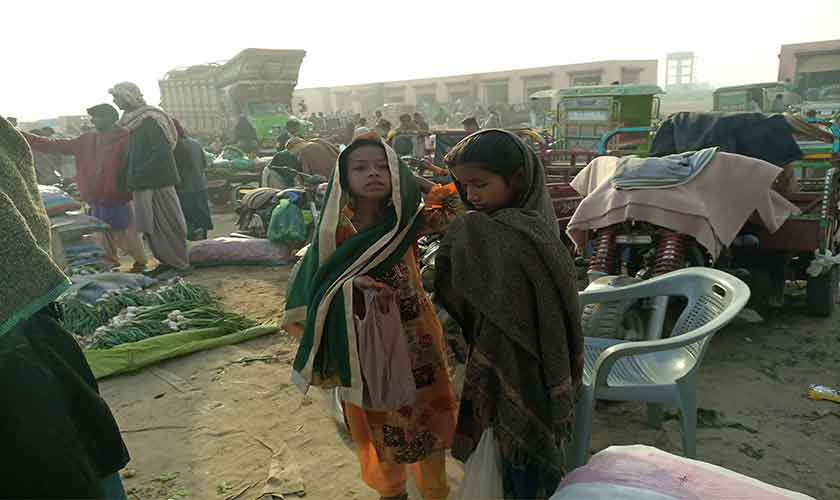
(633, 172)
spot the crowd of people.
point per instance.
(442, 116)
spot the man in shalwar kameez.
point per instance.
(151, 175)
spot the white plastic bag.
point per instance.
(384, 356)
(483, 471)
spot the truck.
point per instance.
(210, 98)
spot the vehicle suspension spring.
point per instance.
(670, 253)
(603, 252)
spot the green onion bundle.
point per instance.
(130, 315)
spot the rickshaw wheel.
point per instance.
(821, 295)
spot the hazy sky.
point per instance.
(60, 57)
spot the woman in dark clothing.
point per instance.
(59, 439)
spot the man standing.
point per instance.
(245, 135)
(100, 155)
(383, 128)
(470, 124)
(778, 105)
(495, 119)
(406, 126)
(292, 130)
(420, 122)
(151, 175)
(192, 191)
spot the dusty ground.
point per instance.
(207, 426)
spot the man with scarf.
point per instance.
(100, 156)
(59, 437)
(151, 175)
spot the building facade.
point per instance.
(500, 88)
(822, 59)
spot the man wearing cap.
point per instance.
(292, 130)
(406, 126)
(470, 124)
(100, 155)
(151, 175)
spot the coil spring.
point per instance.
(603, 252)
(670, 253)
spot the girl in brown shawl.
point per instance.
(505, 276)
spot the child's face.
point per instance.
(485, 190)
(368, 176)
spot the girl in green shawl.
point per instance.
(365, 239)
(505, 276)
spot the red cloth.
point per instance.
(99, 159)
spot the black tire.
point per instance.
(821, 296)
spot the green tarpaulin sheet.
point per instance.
(129, 357)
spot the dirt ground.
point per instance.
(213, 424)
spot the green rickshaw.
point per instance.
(585, 115)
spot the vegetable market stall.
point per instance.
(125, 330)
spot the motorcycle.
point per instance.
(257, 204)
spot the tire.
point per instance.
(821, 295)
(614, 320)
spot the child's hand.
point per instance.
(367, 283)
(384, 293)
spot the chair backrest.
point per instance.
(714, 299)
(708, 298)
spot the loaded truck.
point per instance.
(209, 98)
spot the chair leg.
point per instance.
(582, 428)
(688, 417)
(655, 414)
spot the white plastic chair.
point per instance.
(659, 372)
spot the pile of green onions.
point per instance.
(130, 315)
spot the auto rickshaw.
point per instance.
(586, 114)
(757, 97)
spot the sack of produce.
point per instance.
(227, 251)
(57, 201)
(287, 223)
(643, 472)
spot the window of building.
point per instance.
(496, 93)
(394, 95)
(630, 76)
(585, 79)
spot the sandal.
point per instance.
(138, 269)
